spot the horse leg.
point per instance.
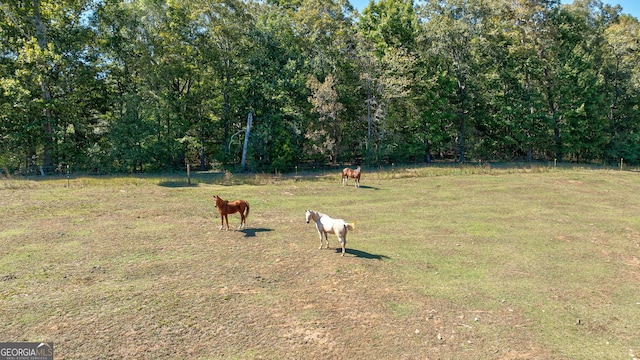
(242, 219)
(226, 217)
(221, 221)
(320, 233)
(357, 182)
(343, 242)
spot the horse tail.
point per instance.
(247, 215)
(350, 226)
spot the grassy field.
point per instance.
(445, 263)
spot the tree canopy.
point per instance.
(127, 86)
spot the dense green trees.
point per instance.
(123, 86)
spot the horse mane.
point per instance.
(318, 214)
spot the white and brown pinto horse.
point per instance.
(325, 225)
(229, 207)
(350, 173)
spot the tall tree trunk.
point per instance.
(427, 151)
(462, 96)
(556, 131)
(554, 116)
(243, 162)
(41, 35)
(461, 136)
(462, 115)
(226, 99)
(616, 95)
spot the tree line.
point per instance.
(149, 85)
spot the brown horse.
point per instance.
(229, 207)
(350, 173)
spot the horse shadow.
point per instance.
(253, 231)
(176, 184)
(369, 187)
(363, 254)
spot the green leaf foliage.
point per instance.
(130, 86)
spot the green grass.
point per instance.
(445, 262)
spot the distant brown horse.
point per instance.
(350, 173)
(229, 207)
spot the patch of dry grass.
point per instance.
(491, 264)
